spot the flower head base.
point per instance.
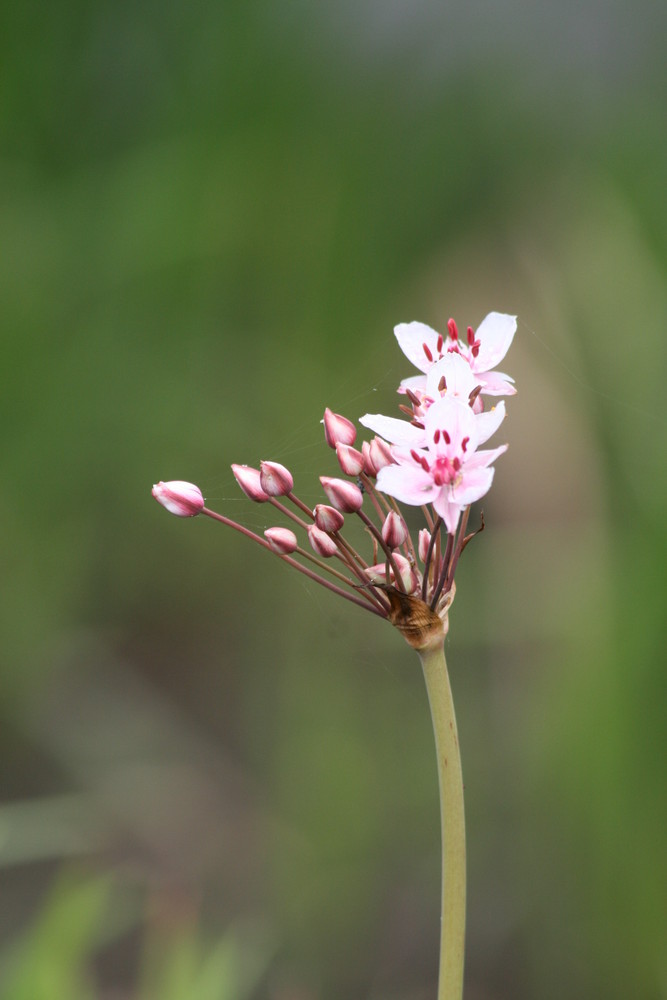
(431, 460)
(179, 498)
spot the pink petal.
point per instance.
(409, 484)
(481, 459)
(457, 419)
(393, 430)
(459, 378)
(495, 333)
(448, 511)
(489, 421)
(496, 384)
(475, 483)
(411, 338)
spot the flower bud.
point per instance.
(394, 530)
(248, 480)
(179, 498)
(380, 454)
(377, 454)
(424, 542)
(275, 479)
(337, 429)
(328, 518)
(408, 578)
(321, 542)
(350, 460)
(281, 540)
(406, 572)
(342, 495)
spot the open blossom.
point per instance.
(448, 472)
(483, 349)
(450, 377)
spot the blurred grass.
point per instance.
(211, 220)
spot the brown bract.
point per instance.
(421, 627)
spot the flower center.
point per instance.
(445, 470)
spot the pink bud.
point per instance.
(409, 578)
(351, 461)
(275, 479)
(342, 495)
(424, 542)
(179, 498)
(380, 453)
(328, 518)
(337, 429)
(248, 480)
(321, 542)
(281, 540)
(377, 454)
(394, 530)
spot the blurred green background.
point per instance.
(218, 782)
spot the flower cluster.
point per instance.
(431, 460)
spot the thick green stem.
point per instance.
(452, 818)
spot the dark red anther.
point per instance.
(475, 348)
(405, 409)
(417, 423)
(415, 455)
(456, 463)
(427, 352)
(440, 343)
(446, 437)
(474, 394)
(453, 329)
(413, 399)
(436, 436)
(442, 384)
(471, 336)
(424, 464)
(464, 443)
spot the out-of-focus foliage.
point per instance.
(212, 217)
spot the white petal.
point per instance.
(475, 483)
(458, 376)
(457, 419)
(411, 338)
(391, 429)
(409, 484)
(489, 421)
(495, 333)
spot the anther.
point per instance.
(464, 444)
(427, 352)
(440, 343)
(446, 437)
(453, 329)
(442, 384)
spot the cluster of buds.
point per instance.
(431, 460)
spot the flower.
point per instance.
(451, 377)
(448, 472)
(179, 498)
(483, 350)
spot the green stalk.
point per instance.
(452, 820)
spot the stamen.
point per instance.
(416, 456)
(424, 464)
(413, 399)
(417, 423)
(436, 437)
(446, 437)
(471, 336)
(440, 343)
(427, 352)
(456, 464)
(474, 394)
(442, 384)
(464, 443)
(405, 409)
(453, 329)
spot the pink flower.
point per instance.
(450, 377)
(483, 350)
(179, 498)
(448, 471)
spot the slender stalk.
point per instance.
(452, 819)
